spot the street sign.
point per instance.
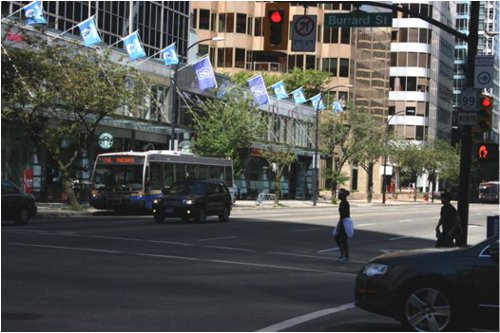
(467, 118)
(483, 71)
(469, 100)
(358, 19)
(304, 33)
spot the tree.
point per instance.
(279, 160)
(224, 127)
(411, 161)
(58, 91)
(367, 144)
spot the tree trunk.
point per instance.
(68, 188)
(370, 183)
(277, 188)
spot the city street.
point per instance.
(267, 269)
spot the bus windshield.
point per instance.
(118, 177)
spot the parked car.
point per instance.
(17, 205)
(194, 199)
(434, 289)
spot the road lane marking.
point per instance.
(67, 248)
(216, 238)
(403, 221)
(304, 318)
(304, 230)
(299, 255)
(327, 250)
(228, 248)
(169, 243)
(364, 224)
(118, 238)
(396, 238)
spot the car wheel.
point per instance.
(158, 217)
(202, 215)
(23, 216)
(427, 309)
(224, 216)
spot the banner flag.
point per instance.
(34, 13)
(89, 32)
(169, 55)
(133, 46)
(259, 91)
(279, 90)
(337, 107)
(317, 102)
(298, 96)
(205, 73)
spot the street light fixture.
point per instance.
(174, 87)
(315, 184)
(384, 180)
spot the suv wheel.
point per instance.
(202, 215)
(224, 216)
(23, 216)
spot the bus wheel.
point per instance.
(158, 217)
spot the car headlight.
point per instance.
(188, 201)
(373, 269)
(155, 201)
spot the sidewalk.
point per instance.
(56, 209)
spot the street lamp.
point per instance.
(384, 180)
(174, 87)
(316, 145)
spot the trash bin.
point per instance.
(492, 226)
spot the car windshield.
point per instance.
(183, 188)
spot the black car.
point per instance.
(434, 289)
(194, 199)
(16, 205)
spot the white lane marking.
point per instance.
(396, 238)
(364, 224)
(304, 230)
(300, 255)
(67, 248)
(118, 238)
(327, 250)
(403, 221)
(228, 248)
(304, 318)
(170, 243)
(216, 238)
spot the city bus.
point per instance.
(133, 180)
(488, 192)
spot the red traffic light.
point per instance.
(275, 16)
(486, 101)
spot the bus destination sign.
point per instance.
(358, 19)
(121, 160)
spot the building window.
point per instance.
(194, 22)
(249, 24)
(240, 58)
(222, 22)
(225, 57)
(258, 27)
(331, 35)
(229, 22)
(202, 49)
(241, 23)
(310, 61)
(345, 35)
(344, 67)
(204, 19)
(330, 65)
(213, 21)
(354, 178)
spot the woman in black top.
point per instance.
(341, 236)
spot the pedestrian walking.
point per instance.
(448, 227)
(344, 229)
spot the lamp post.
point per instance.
(174, 87)
(316, 144)
(384, 180)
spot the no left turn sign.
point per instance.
(304, 33)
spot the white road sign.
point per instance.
(483, 71)
(469, 100)
(304, 33)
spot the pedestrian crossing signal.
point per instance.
(487, 152)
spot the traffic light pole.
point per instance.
(466, 144)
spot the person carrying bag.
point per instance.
(344, 229)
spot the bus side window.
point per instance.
(203, 172)
(155, 176)
(229, 176)
(168, 175)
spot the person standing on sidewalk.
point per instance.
(448, 227)
(340, 233)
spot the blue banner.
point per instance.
(34, 13)
(317, 102)
(279, 90)
(298, 96)
(133, 46)
(205, 73)
(259, 91)
(169, 55)
(337, 107)
(89, 32)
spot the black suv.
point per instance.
(17, 205)
(194, 199)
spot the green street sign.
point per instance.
(358, 19)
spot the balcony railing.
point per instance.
(267, 66)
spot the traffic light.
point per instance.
(484, 115)
(276, 26)
(487, 152)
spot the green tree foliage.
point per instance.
(279, 160)
(57, 91)
(225, 127)
(411, 161)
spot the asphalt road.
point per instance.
(266, 270)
